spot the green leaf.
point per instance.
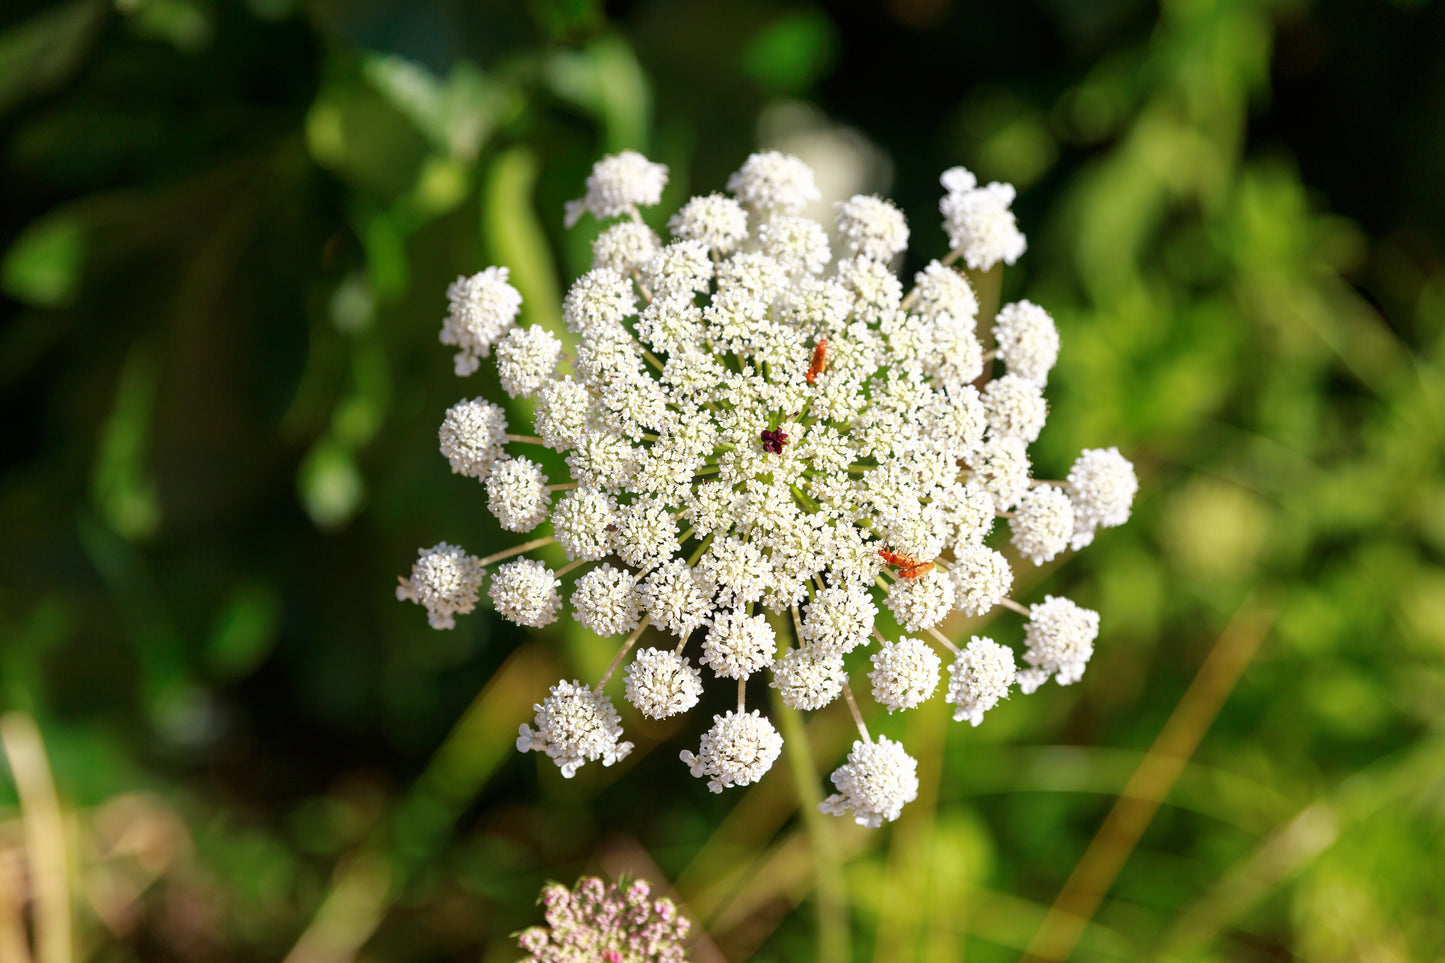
(43, 267)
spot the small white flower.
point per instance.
(481, 310)
(681, 269)
(445, 581)
(872, 227)
(662, 683)
(969, 512)
(770, 182)
(716, 221)
(904, 674)
(574, 726)
(981, 579)
(624, 247)
(738, 644)
(527, 358)
(1102, 485)
(1002, 468)
(582, 523)
(525, 592)
(798, 243)
(597, 302)
(877, 781)
(646, 532)
(979, 678)
(943, 292)
(1042, 524)
(839, 618)
(921, 603)
(618, 185)
(738, 568)
(674, 599)
(978, 220)
(1028, 341)
(1016, 407)
(1060, 639)
(808, 678)
(564, 409)
(517, 494)
(472, 437)
(606, 600)
(738, 750)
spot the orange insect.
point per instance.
(907, 565)
(820, 361)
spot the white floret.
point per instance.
(606, 600)
(738, 644)
(660, 683)
(1060, 638)
(674, 599)
(809, 679)
(624, 247)
(597, 302)
(582, 523)
(574, 726)
(839, 618)
(517, 494)
(981, 579)
(874, 785)
(942, 292)
(481, 309)
(800, 244)
(619, 184)
(472, 436)
(904, 674)
(1102, 485)
(978, 220)
(716, 221)
(1027, 339)
(979, 678)
(770, 182)
(445, 581)
(1042, 524)
(872, 227)
(1002, 468)
(921, 603)
(527, 358)
(525, 592)
(1016, 407)
(738, 750)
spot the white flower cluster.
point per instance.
(749, 436)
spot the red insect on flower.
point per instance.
(907, 565)
(820, 361)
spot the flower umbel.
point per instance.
(736, 435)
(612, 922)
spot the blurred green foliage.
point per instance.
(227, 229)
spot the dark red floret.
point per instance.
(773, 440)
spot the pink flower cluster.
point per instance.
(604, 921)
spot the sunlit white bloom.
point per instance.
(574, 726)
(771, 182)
(717, 222)
(809, 678)
(1060, 638)
(981, 579)
(978, 220)
(839, 618)
(597, 303)
(1042, 524)
(624, 247)
(481, 309)
(517, 494)
(1016, 407)
(738, 750)
(527, 358)
(876, 782)
(1027, 339)
(921, 603)
(979, 678)
(798, 243)
(674, 598)
(445, 581)
(618, 185)
(904, 674)
(872, 227)
(943, 292)
(1002, 468)
(662, 683)
(525, 592)
(1102, 485)
(606, 600)
(738, 644)
(473, 435)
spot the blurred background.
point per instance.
(227, 228)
